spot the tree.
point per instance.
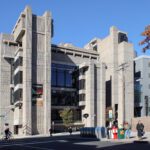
(67, 116)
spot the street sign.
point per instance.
(110, 114)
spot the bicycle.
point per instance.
(8, 138)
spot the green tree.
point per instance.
(67, 116)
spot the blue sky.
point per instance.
(78, 21)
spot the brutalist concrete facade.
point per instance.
(30, 65)
(26, 60)
(142, 86)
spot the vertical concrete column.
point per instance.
(114, 67)
(102, 95)
(90, 97)
(121, 101)
(27, 73)
(47, 73)
(1, 118)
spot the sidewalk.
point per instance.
(44, 135)
(133, 138)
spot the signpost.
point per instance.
(110, 114)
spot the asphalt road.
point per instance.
(73, 142)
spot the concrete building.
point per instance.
(117, 53)
(39, 79)
(142, 86)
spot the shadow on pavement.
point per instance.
(73, 142)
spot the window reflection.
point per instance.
(64, 76)
(64, 98)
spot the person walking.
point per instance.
(50, 131)
(70, 130)
(6, 130)
(140, 129)
(127, 130)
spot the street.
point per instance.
(73, 142)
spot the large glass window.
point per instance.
(64, 76)
(64, 98)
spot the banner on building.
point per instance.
(37, 90)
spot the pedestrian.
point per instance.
(6, 130)
(140, 129)
(127, 130)
(70, 130)
(50, 131)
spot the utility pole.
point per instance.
(121, 114)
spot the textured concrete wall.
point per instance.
(126, 54)
(5, 80)
(27, 72)
(114, 54)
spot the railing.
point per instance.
(26, 130)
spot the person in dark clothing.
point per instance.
(140, 129)
(50, 131)
(6, 131)
(70, 130)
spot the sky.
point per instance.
(79, 21)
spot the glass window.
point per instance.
(18, 78)
(82, 84)
(64, 98)
(68, 78)
(64, 76)
(60, 78)
(82, 97)
(18, 95)
(54, 76)
(18, 62)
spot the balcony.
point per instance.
(11, 85)
(82, 91)
(18, 86)
(19, 28)
(18, 52)
(82, 103)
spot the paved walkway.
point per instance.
(47, 135)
